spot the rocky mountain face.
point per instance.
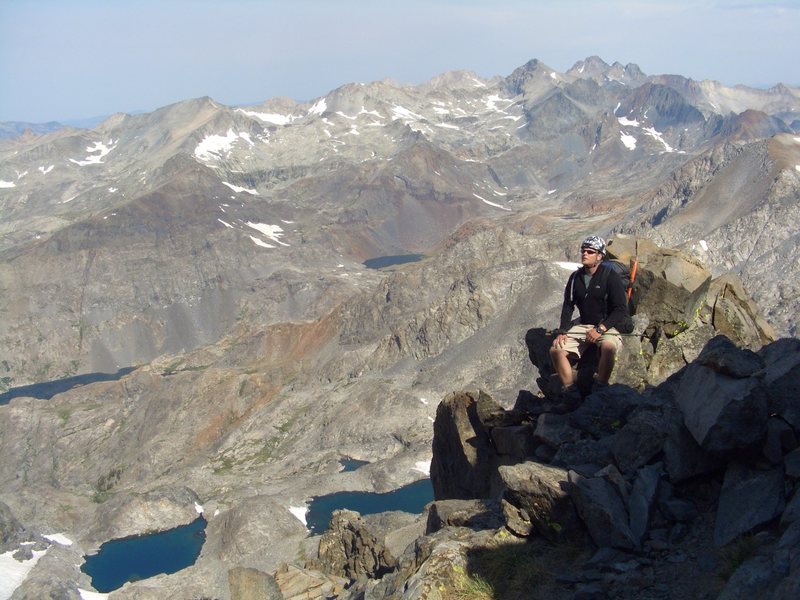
(687, 488)
(154, 233)
(219, 250)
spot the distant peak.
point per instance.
(454, 79)
(532, 70)
(591, 65)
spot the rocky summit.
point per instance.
(189, 326)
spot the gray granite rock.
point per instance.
(252, 584)
(749, 497)
(642, 499)
(603, 511)
(538, 489)
(554, 430)
(723, 413)
(516, 441)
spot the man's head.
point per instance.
(593, 249)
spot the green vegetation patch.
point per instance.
(245, 455)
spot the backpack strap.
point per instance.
(603, 283)
(571, 285)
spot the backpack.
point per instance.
(628, 276)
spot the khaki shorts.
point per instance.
(576, 339)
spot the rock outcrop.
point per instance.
(633, 494)
(688, 465)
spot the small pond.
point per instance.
(351, 464)
(411, 498)
(140, 557)
(387, 261)
(48, 389)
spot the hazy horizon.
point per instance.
(80, 60)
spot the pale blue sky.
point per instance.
(71, 59)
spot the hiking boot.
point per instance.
(570, 400)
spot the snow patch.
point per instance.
(398, 112)
(239, 190)
(797, 167)
(14, 572)
(423, 466)
(199, 508)
(490, 203)
(659, 136)
(228, 225)
(217, 146)
(549, 192)
(7, 184)
(374, 113)
(273, 232)
(491, 102)
(704, 245)
(626, 122)
(447, 126)
(261, 243)
(45, 171)
(628, 140)
(87, 595)
(274, 118)
(58, 538)
(320, 106)
(300, 512)
(100, 148)
(569, 266)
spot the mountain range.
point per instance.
(220, 250)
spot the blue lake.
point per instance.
(387, 261)
(140, 557)
(411, 498)
(48, 389)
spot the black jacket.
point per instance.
(605, 302)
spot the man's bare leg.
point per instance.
(563, 367)
(608, 355)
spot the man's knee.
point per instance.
(608, 348)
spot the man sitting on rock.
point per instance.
(599, 294)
